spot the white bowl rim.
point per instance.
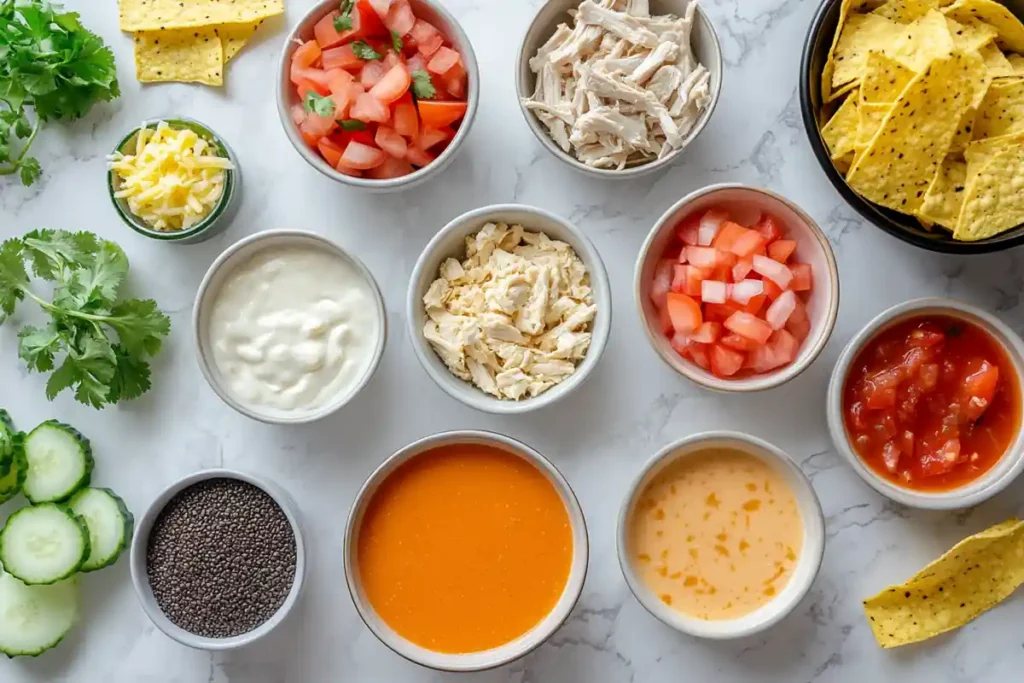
(754, 383)
(973, 493)
(632, 171)
(390, 184)
(601, 329)
(527, 642)
(200, 331)
(139, 549)
(812, 552)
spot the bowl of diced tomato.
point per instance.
(378, 94)
(737, 288)
(925, 404)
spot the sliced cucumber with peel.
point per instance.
(43, 543)
(11, 483)
(109, 522)
(10, 442)
(35, 618)
(59, 462)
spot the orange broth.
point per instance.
(464, 548)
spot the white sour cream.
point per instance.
(293, 328)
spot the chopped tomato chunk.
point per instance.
(391, 168)
(391, 142)
(432, 136)
(662, 282)
(400, 17)
(306, 54)
(727, 235)
(781, 250)
(419, 157)
(725, 362)
(443, 61)
(801, 277)
(369, 109)
(769, 227)
(342, 58)
(439, 114)
(428, 39)
(371, 74)
(684, 313)
(362, 157)
(406, 120)
(330, 150)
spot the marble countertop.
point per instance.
(599, 436)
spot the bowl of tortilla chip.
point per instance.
(915, 111)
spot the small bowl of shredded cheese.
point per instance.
(174, 180)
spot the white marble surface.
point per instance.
(598, 437)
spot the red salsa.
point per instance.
(932, 403)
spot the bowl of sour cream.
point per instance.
(288, 326)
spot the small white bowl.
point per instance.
(487, 659)
(140, 577)
(745, 203)
(706, 48)
(978, 491)
(237, 254)
(450, 242)
(428, 10)
(803, 574)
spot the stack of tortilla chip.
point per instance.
(191, 40)
(924, 110)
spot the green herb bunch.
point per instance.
(85, 314)
(48, 62)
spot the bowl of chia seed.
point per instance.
(217, 560)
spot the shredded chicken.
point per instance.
(620, 87)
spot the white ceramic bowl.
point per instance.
(236, 255)
(450, 242)
(487, 659)
(140, 578)
(745, 204)
(978, 491)
(810, 555)
(429, 10)
(706, 48)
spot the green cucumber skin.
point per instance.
(7, 455)
(86, 452)
(46, 648)
(20, 466)
(129, 528)
(81, 527)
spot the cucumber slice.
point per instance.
(36, 618)
(11, 483)
(59, 462)
(109, 523)
(43, 543)
(9, 442)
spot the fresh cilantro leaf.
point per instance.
(422, 86)
(132, 378)
(343, 23)
(37, 346)
(55, 251)
(13, 278)
(140, 326)
(318, 104)
(353, 124)
(363, 50)
(29, 170)
(396, 42)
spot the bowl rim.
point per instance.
(813, 548)
(972, 493)
(634, 171)
(755, 383)
(138, 566)
(458, 37)
(601, 328)
(524, 644)
(200, 330)
(867, 210)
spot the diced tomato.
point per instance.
(742, 269)
(709, 225)
(391, 142)
(330, 150)
(317, 126)
(747, 243)
(380, 7)
(338, 81)
(925, 336)
(725, 362)
(801, 277)
(406, 120)
(880, 387)
(979, 386)
(662, 282)
(367, 23)
(687, 230)
(400, 17)
(799, 323)
(681, 344)
(455, 81)
(428, 39)
(678, 277)
(781, 250)
(362, 157)
(684, 312)
(738, 342)
(755, 305)
(304, 87)
(369, 109)
(443, 60)
(891, 456)
(371, 74)
(772, 290)
(416, 62)
(727, 235)
(702, 257)
(773, 270)
(306, 54)
(435, 114)
(342, 58)
(694, 279)
(391, 168)
(298, 114)
(347, 170)
(699, 355)
(769, 227)
(419, 157)
(720, 312)
(665, 322)
(432, 136)
(781, 309)
(313, 78)
(784, 345)
(392, 85)
(707, 333)
(325, 33)
(749, 326)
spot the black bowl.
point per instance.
(901, 226)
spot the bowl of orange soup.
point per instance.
(465, 550)
(721, 535)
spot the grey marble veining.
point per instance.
(598, 437)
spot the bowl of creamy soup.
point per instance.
(721, 535)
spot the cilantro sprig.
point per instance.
(105, 342)
(396, 42)
(422, 86)
(51, 64)
(363, 50)
(343, 22)
(353, 124)
(316, 103)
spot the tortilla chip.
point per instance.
(964, 131)
(975, 575)
(153, 15)
(192, 55)
(945, 195)
(827, 73)
(980, 152)
(971, 34)
(1010, 28)
(840, 132)
(904, 156)
(862, 34)
(836, 94)
(906, 11)
(870, 116)
(1017, 62)
(884, 79)
(994, 200)
(1002, 110)
(995, 61)
(844, 163)
(233, 37)
(913, 45)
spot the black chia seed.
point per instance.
(221, 558)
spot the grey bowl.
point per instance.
(706, 47)
(429, 10)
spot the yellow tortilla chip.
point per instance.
(980, 152)
(974, 576)
(994, 200)
(840, 132)
(827, 73)
(862, 34)
(995, 61)
(154, 15)
(945, 195)
(870, 117)
(192, 55)
(1010, 28)
(1001, 111)
(964, 131)
(904, 156)
(884, 79)
(233, 37)
(913, 45)
(1017, 62)
(971, 34)
(906, 11)
(836, 94)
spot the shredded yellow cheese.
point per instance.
(174, 179)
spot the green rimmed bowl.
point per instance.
(222, 213)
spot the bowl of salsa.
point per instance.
(925, 404)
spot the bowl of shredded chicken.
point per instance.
(619, 87)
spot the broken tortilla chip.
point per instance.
(906, 11)
(845, 9)
(994, 200)
(1009, 27)
(945, 195)
(192, 55)
(971, 34)
(995, 61)
(154, 15)
(884, 79)
(840, 132)
(1001, 111)
(233, 37)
